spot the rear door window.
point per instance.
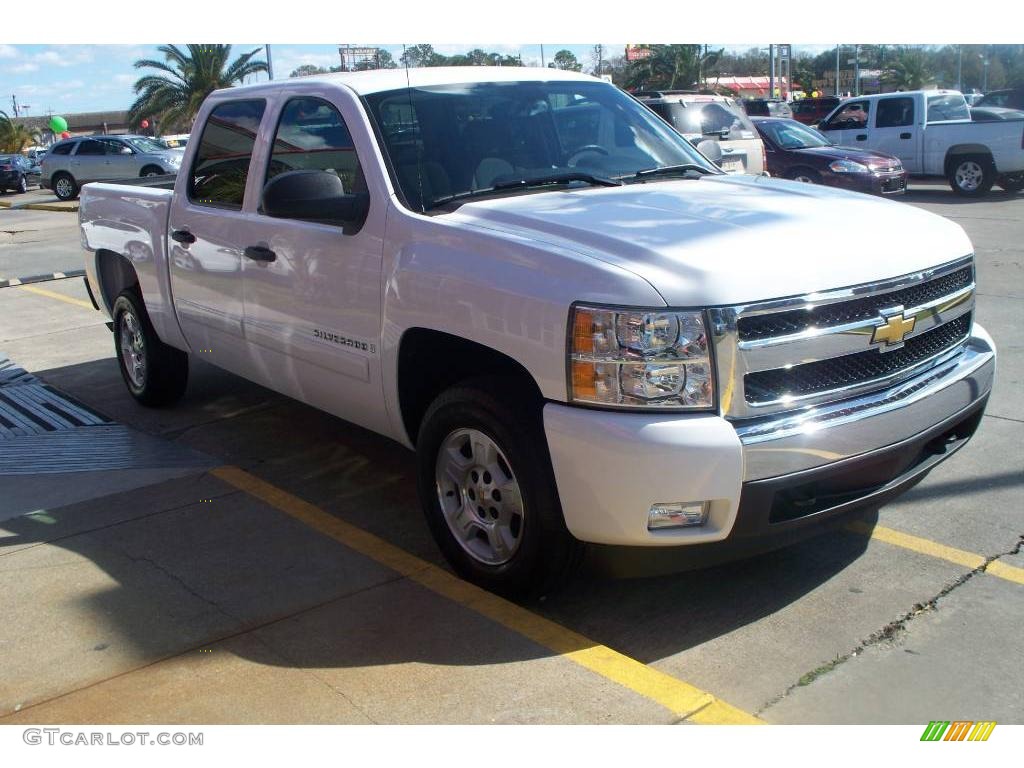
(62, 149)
(221, 166)
(895, 112)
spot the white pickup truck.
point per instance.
(594, 340)
(932, 134)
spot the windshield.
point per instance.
(789, 134)
(143, 144)
(449, 140)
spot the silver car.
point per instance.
(71, 163)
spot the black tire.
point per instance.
(64, 186)
(164, 375)
(971, 175)
(151, 170)
(546, 553)
(22, 187)
(1012, 186)
(805, 175)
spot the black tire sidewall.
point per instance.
(22, 187)
(166, 366)
(546, 543)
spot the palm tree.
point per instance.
(911, 72)
(14, 137)
(188, 77)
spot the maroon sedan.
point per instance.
(799, 152)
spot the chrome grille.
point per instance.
(797, 320)
(838, 372)
(807, 350)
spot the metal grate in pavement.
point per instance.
(103, 447)
(12, 373)
(32, 409)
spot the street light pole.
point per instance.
(771, 71)
(960, 68)
(836, 93)
(270, 63)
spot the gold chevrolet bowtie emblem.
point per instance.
(894, 331)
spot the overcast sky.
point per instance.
(85, 78)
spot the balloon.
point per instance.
(65, 135)
(814, 94)
(58, 124)
(144, 123)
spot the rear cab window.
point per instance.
(220, 168)
(894, 112)
(945, 107)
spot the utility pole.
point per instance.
(771, 70)
(836, 93)
(14, 104)
(542, 55)
(960, 68)
(856, 70)
(270, 63)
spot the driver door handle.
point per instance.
(904, 135)
(259, 253)
(183, 236)
(862, 137)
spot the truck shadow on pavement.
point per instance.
(195, 561)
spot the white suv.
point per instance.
(704, 116)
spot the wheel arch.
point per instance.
(430, 361)
(114, 273)
(958, 151)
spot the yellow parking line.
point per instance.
(940, 551)
(681, 699)
(58, 296)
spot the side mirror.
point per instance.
(125, 150)
(712, 150)
(313, 196)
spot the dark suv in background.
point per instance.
(767, 108)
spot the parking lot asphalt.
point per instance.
(244, 558)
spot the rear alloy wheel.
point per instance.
(151, 170)
(971, 175)
(22, 187)
(155, 373)
(64, 187)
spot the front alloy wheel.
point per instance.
(479, 497)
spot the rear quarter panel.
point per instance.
(131, 222)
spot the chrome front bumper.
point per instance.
(790, 443)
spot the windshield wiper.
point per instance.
(539, 181)
(668, 170)
(559, 178)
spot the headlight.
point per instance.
(639, 359)
(847, 166)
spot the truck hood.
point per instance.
(730, 239)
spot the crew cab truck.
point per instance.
(932, 134)
(594, 340)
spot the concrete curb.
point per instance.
(70, 207)
(41, 278)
